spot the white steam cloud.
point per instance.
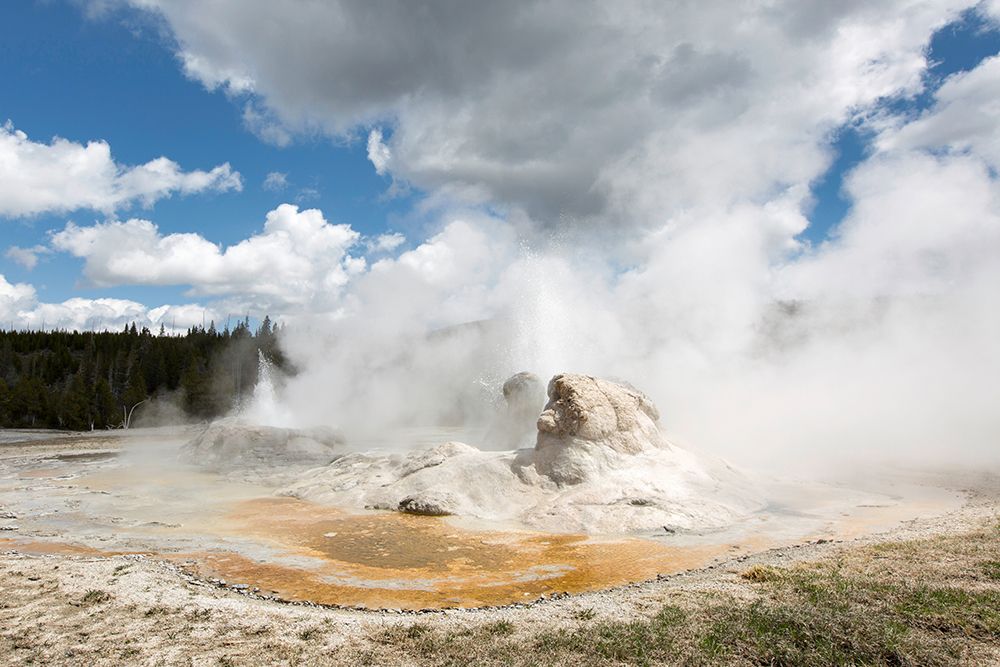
(648, 171)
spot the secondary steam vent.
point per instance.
(600, 464)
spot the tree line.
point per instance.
(93, 380)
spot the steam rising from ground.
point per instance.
(880, 343)
(624, 194)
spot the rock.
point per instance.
(589, 423)
(431, 503)
(514, 425)
(588, 408)
(230, 443)
(524, 389)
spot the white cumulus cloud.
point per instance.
(63, 176)
(21, 309)
(386, 242)
(648, 169)
(964, 117)
(378, 153)
(570, 110)
(297, 259)
(26, 257)
(275, 181)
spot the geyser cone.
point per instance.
(601, 465)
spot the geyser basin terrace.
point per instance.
(132, 493)
(98, 498)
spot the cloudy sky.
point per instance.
(165, 161)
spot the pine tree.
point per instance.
(194, 384)
(75, 411)
(4, 402)
(135, 392)
(45, 375)
(154, 367)
(29, 403)
(104, 407)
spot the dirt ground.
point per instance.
(77, 608)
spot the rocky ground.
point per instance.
(926, 592)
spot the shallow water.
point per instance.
(385, 559)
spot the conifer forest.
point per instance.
(87, 380)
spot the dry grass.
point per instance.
(95, 596)
(761, 573)
(926, 602)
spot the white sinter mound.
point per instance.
(230, 444)
(599, 465)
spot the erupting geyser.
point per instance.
(256, 438)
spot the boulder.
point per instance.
(429, 503)
(513, 426)
(523, 393)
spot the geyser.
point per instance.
(600, 464)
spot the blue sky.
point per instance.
(116, 76)
(958, 47)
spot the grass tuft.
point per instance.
(498, 628)
(94, 596)
(761, 573)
